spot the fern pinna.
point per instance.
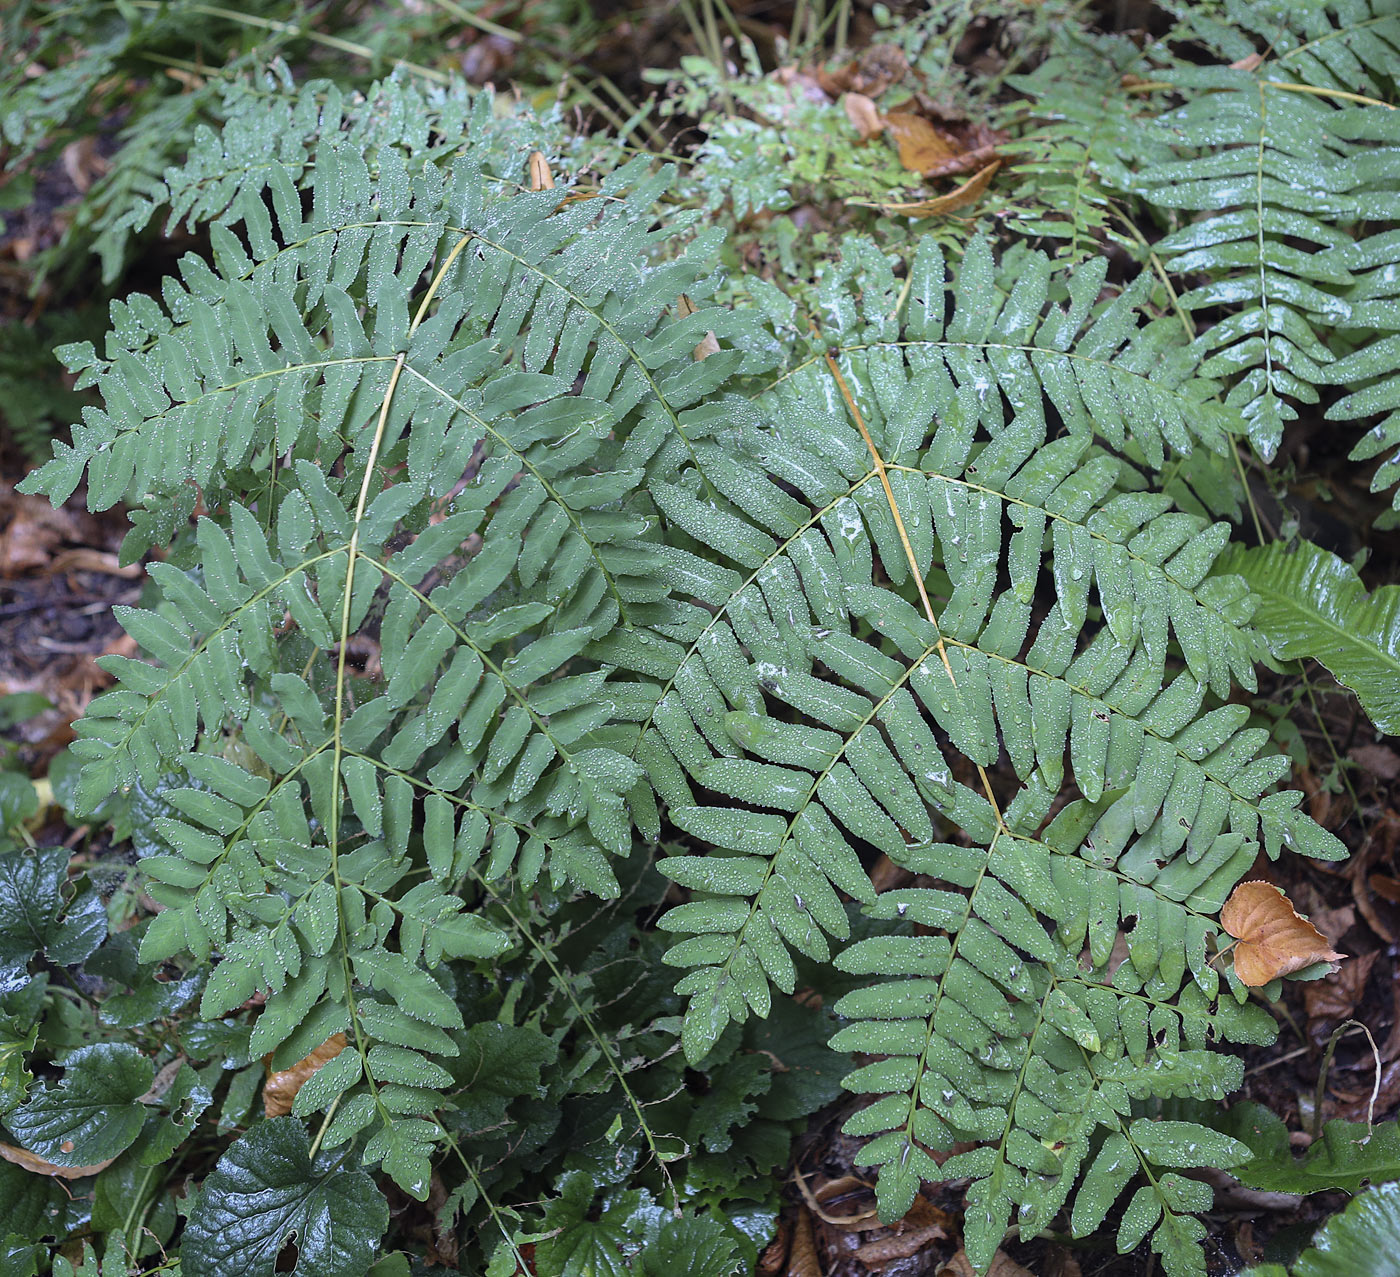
(857, 605)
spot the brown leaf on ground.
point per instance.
(968, 193)
(37, 1165)
(280, 1089)
(31, 530)
(802, 1258)
(1002, 1266)
(883, 1250)
(1060, 1262)
(1273, 939)
(541, 179)
(837, 1193)
(773, 1260)
(879, 68)
(1386, 887)
(85, 559)
(921, 145)
(1249, 63)
(1380, 760)
(864, 115)
(1377, 895)
(709, 343)
(969, 161)
(1333, 999)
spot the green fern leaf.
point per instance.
(1273, 248)
(1313, 604)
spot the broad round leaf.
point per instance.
(267, 1191)
(35, 916)
(92, 1113)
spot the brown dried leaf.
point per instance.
(773, 1260)
(881, 1251)
(921, 145)
(35, 1164)
(1273, 939)
(541, 179)
(281, 1087)
(968, 193)
(970, 161)
(1250, 63)
(880, 67)
(1002, 1266)
(709, 343)
(1380, 760)
(1060, 1262)
(85, 559)
(834, 1191)
(802, 1258)
(1334, 998)
(864, 115)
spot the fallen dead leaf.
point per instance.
(280, 1089)
(85, 559)
(1002, 1266)
(864, 114)
(774, 1258)
(969, 161)
(82, 163)
(541, 179)
(968, 193)
(1333, 999)
(880, 67)
(1273, 939)
(709, 343)
(835, 1190)
(1060, 1262)
(37, 1165)
(802, 1258)
(1380, 760)
(1249, 63)
(883, 1250)
(921, 145)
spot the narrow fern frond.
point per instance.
(1086, 133)
(1284, 152)
(1313, 604)
(1011, 338)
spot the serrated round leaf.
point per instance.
(35, 916)
(93, 1112)
(266, 1191)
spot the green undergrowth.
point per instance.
(552, 634)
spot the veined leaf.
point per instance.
(1313, 604)
(266, 1191)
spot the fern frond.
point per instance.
(446, 393)
(809, 719)
(1086, 133)
(1311, 603)
(1284, 157)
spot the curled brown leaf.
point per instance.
(921, 145)
(37, 1165)
(541, 179)
(864, 115)
(280, 1089)
(968, 193)
(1273, 938)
